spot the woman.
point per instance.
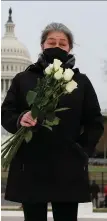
(53, 166)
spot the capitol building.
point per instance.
(15, 58)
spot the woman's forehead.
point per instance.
(57, 35)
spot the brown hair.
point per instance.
(57, 27)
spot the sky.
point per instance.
(86, 19)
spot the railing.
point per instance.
(97, 161)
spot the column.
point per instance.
(4, 86)
(9, 83)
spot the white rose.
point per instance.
(58, 75)
(49, 69)
(57, 63)
(70, 86)
(68, 74)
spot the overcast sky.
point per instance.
(87, 21)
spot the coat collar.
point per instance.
(41, 64)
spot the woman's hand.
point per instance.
(27, 120)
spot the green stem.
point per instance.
(9, 145)
(13, 140)
(12, 153)
(60, 95)
(5, 152)
(6, 147)
(55, 98)
(17, 146)
(12, 144)
(21, 129)
(9, 148)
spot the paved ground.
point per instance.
(7, 203)
(50, 219)
(10, 216)
(89, 216)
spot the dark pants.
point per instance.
(96, 200)
(61, 211)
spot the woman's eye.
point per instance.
(51, 43)
(62, 45)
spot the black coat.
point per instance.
(94, 189)
(52, 166)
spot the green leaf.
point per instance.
(31, 95)
(54, 95)
(41, 116)
(62, 109)
(50, 116)
(56, 121)
(53, 123)
(48, 92)
(50, 128)
(50, 107)
(44, 102)
(28, 136)
(49, 123)
(35, 111)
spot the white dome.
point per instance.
(12, 50)
(11, 47)
(15, 57)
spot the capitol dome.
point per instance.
(15, 56)
(14, 48)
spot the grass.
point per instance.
(18, 208)
(97, 168)
(100, 210)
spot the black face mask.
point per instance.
(51, 53)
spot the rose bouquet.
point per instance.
(43, 101)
